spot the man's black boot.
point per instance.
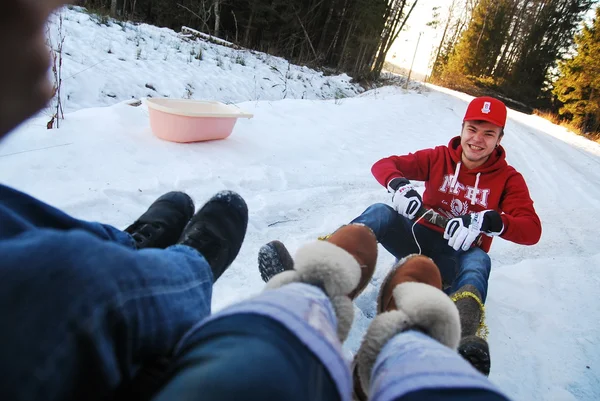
(218, 230)
(161, 225)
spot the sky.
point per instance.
(405, 47)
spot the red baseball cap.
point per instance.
(488, 109)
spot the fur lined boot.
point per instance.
(274, 258)
(341, 266)
(410, 298)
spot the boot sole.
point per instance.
(478, 355)
(270, 260)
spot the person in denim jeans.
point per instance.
(85, 305)
(285, 343)
(470, 183)
(458, 268)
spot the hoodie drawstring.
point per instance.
(454, 181)
(455, 178)
(474, 197)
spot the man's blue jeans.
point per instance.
(81, 308)
(282, 345)
(457, 268)
(246, 357)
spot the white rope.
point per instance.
(413, 228)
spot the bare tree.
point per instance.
(113, 8)
(396, 20)
(217, 7)
(204, 14)
(56, 53)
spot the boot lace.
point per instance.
(144, 233)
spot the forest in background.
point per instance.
(533, 54)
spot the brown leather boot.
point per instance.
(359, 241)
(341, 266)
(410, 297)
(473, 345)
(413, 268)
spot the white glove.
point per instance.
(462, 231)
(406, 199)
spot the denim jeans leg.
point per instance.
(394, 231)
(413, 366)
(474, 268)
(36, 213)
(279, 345)
(85, 314)
(246, 357)
(112, 234)
(447, 263)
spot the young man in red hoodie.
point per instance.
(468, 181)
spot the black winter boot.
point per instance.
(473, 345)
(273, 258)
(161, 225)
(218, 230)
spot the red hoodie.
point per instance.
(493, 185)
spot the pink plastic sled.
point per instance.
(181, 120)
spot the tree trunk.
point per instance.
(344, 46)
(357, 65)
(113, 8)
(217, 6)
(333, 44)
(482, 29)
(321, 46)
(441, 46)
(236, 27)
(306, 35)
(248, 28)
(586, 122)
(501, 66)
(387, 45)
(439, 50)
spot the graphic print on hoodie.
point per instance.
(453, 190)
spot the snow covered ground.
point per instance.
(303, 166)
(106, 61)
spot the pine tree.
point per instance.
(578, 87)
(480, 45)
(459, 14)
(551, 26)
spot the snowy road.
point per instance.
(304, 168)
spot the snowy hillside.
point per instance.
(107, 61)
(303, 167)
